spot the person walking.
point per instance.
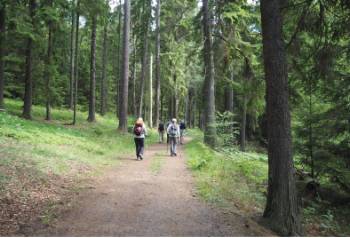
(139, 137)
(173, 131)
(182, 131)
(161, 130)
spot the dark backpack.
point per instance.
(161, 127)
(182, 126)
(138, 129)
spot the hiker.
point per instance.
(182, 131)
(174, 132)
(161, 132)
(139, 136)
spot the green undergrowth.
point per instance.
(57, 148)
(234, 179)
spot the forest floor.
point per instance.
(59, 179)
(153, 197)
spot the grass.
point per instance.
(230, 178)
(41, 161)
(55, 147)
(234, 179)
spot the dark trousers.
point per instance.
(140, 144)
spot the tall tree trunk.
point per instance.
(281, 210)
(243, 124)
(72, 55)
(123, 98)
(145, 22)
(311, 141)
(28, 91)
(76, 66)
(229, 96)
(189, 107)
(193, 116)
(247, 77)
(175, 100)
(2, 53)
(161, 116)
(133, 76)
(92, 99)
(48, 74)
(157, 104)
(143, 72)
(151, 91)
(104, 91)
(209, 84)
(118, 79)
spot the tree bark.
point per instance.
(2, 53)
(281, 211)
(48, 74)
(229, 96)
(123, 98)
(28, 90)
(157, 103)
(133, 77)
(118, 79)
(72, 59)
(76, 68)
(243, 124)
(143, 70)
(175, 100)
(92, 99)
(150, 91)
(104, 91)
(247, 77)
(209, 84)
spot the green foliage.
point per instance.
(227, 129)
(59, 148)
(229, 179)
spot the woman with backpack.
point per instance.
(173, 131)
(139, 137)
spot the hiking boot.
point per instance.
(141, 157)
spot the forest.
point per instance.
(263, 87)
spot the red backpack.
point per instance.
(138, 129)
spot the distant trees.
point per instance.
(282, 209)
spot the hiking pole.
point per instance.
(167, 145)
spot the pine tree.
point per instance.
(281, 209)
(123, 97)
(209, 85)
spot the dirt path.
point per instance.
(154, 197)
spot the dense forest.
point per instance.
(271, 75)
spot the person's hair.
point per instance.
(139, 121)
(173, 120)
